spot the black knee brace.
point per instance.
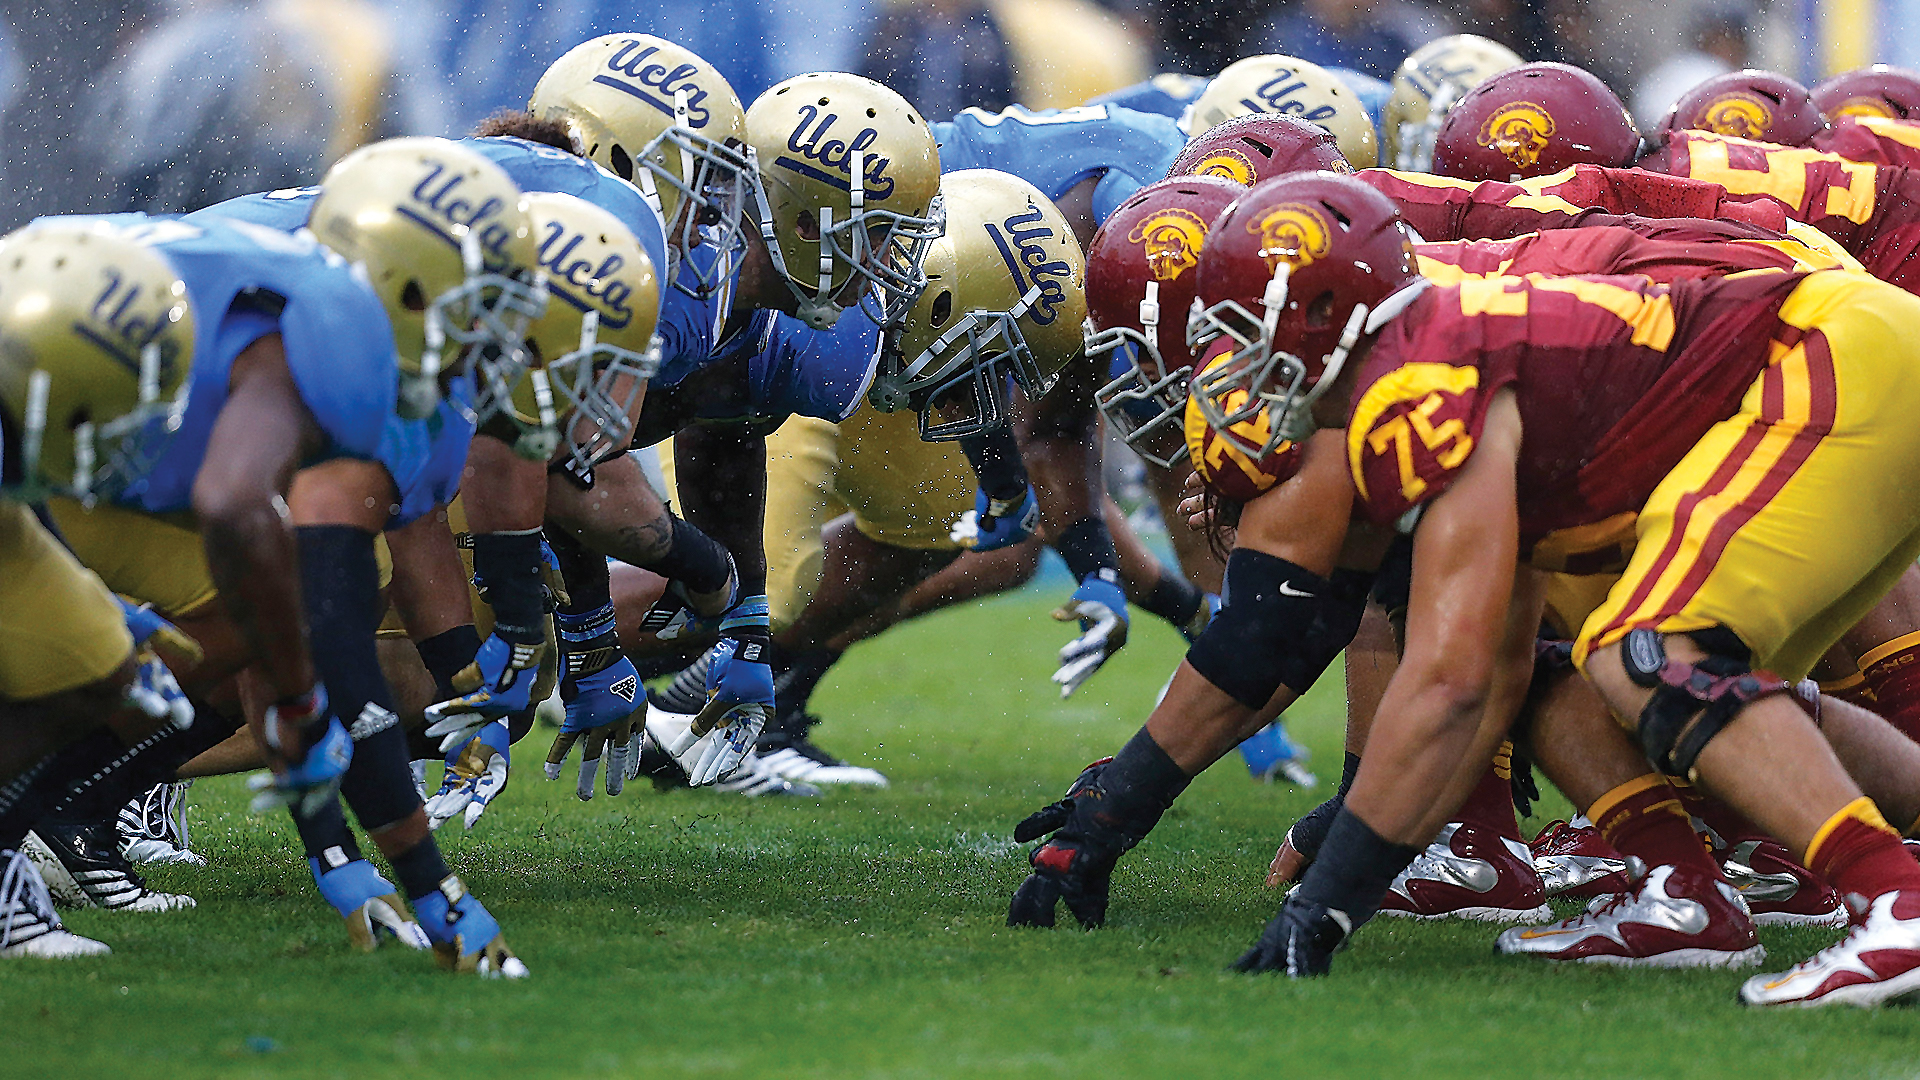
(1279, 625)
(1691, 701)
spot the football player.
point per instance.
(435, 294)
(1760, 105)
(1879, 90)
(1730, 730)
(1427, 84)
(72, 671)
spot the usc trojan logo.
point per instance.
(1227, 164)
(1518, 132)
(1173, 238)
(1293, 233)
(1741, 115)
(1865, 106)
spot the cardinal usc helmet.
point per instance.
(1290, 87)
(593, 351)
(1428, 83)
(444, 238)
(659, 116)
(1293, 273)
(1249, 149)
(1141, 268)
(834, 240)
(96, 336)
(1004, 301)
(1533, 120)
(1760, 105)
(1880, 90)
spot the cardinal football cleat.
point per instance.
(1469, 873)
(1779, 891)
(1675, 916)
(1877, 962)
(28, 924)
(1576, 862)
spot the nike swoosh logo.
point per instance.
(1288, 590)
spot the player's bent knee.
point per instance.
(1692, 700)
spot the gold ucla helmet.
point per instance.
(96, 335)
(1290, 87)
(445, 239)
(1005, 299)
(812, 135)
(593, 351)
(659, 116)
(1426, 86)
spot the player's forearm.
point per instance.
(1197, 723)
(252, 558)
(724, 493)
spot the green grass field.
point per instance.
(859, 935)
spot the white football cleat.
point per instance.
(785, 748)
(1877, 962)
(1672, 916)
(153, 827)
(755, 778)
(28, 924)
(82, 868)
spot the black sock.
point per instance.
(420, 868)
(1354, 868)
(794, 683)
(1348, 770)
(1142, 779)
(325, 836)
(1173, 598)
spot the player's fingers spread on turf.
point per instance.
(1033, 902)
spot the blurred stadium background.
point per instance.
(166, 105)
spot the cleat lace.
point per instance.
(22, 892)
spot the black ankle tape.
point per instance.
(1173, 598)
(420, 868)
(1354, 868)
(507, 569)
(1085, 546)
(1142, 777)
(326, 829)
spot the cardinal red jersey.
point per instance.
(1662, 249)
(1441, 208)
(1876, 140)
(1873, 211)
(1616, 378)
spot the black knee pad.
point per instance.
(1691, 702)
(1279, 625)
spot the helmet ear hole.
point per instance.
(413, 296)
(1320, 312)
(622, 161)
(942, 307)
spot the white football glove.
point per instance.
(708, 754)
(470, 785)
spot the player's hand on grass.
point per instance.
(1070, 866)
(1298, 942)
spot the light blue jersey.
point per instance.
(1373, 94)
(792, 369)
(1058, 148)
(1167, 94)
(427, 458)
(244, 283)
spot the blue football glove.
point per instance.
(1101, 609)
(316, 749)
(498, 683)
(739, 698)
(156, 642)
(600, 706)
(475, 775)
(465, 937)
(993, 524)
